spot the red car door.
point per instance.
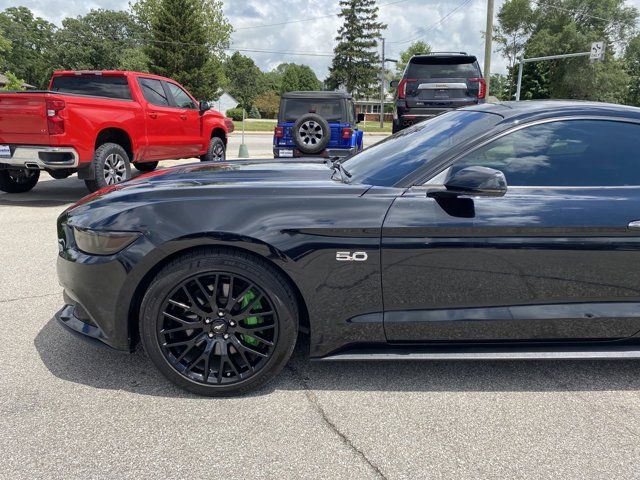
(191, 138)
(163, 122)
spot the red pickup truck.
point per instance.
(99, 123)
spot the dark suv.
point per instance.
(317, 123)
(435, 83)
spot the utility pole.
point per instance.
(382, 77)
(488, 40)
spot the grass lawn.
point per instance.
(252, 125)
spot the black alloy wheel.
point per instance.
(217, 328)
(18, 180)
(219, 324)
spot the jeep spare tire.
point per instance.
(311, 133)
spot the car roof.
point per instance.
(317, 94)
(532, 109)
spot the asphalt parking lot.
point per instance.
(70, 410)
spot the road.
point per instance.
(70, 410)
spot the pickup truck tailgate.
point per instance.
(23, 118)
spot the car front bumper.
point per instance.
(327, 153)
(38, 157)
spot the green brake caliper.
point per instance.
(250, 321)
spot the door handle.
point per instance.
(635, 225)
(153, 114)
(183, 117)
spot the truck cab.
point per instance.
(316, 124)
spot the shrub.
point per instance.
(268, 104)
(235, 114)
(254, 113)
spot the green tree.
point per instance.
(632, 64)
(416, 48)
(568, 26)
(500, 86)
(355, 64)
(99, 40)
(179, 47)
(32, 43)
(217, 27)
(297, 77)
(245, 79)
(268, 104)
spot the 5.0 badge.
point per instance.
(351, 256)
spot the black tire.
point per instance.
(217, 151)
(311, 133)
(145, 166)
(110, 165)
(19, 180)
(209, 267)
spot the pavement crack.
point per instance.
(315, 404)
(17, 299)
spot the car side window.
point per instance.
(153, 91)
(180, 97)
(568, 153)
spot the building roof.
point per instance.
(4, 80)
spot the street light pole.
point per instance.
(382, 87)
(488, 40)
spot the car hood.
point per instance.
(228, 179)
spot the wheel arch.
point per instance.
(118, 136)
(219, 132)
(151, 273)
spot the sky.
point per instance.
(454, 25)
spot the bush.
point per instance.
(268, 104)
(254, 113)
(235, 114)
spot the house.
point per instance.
(224, 103)
(4, 80)
(371, 108)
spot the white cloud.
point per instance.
(407, 19)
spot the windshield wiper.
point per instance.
(336, 166)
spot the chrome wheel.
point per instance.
(115, 169)
(311, 133)
(217, 328)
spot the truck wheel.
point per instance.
(216, 152)
(19, 180)
(311, 133)
(111, 165)
(145, 166)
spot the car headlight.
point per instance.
(96, 242)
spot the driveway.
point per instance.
(70, 410)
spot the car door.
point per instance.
(162, 121)
(189, 138)
(555, 259)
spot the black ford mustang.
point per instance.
(413, 248)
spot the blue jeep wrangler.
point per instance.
(319, 124)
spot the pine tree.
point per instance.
(356, 62)
(178, 47)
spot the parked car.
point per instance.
(99, 123)
(436, 83)
(415, 248)
(317, 124)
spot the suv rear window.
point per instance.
(443, 67)
(328, 108)
(94, 85)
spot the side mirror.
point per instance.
(474, 181)
(203, 106)
(360, 118)
(394, 83)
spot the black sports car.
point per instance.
(413, 248)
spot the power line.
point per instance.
(309, 19)
(543, 5)
(424, 31)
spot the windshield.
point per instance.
(389, 161)
(330, 109)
